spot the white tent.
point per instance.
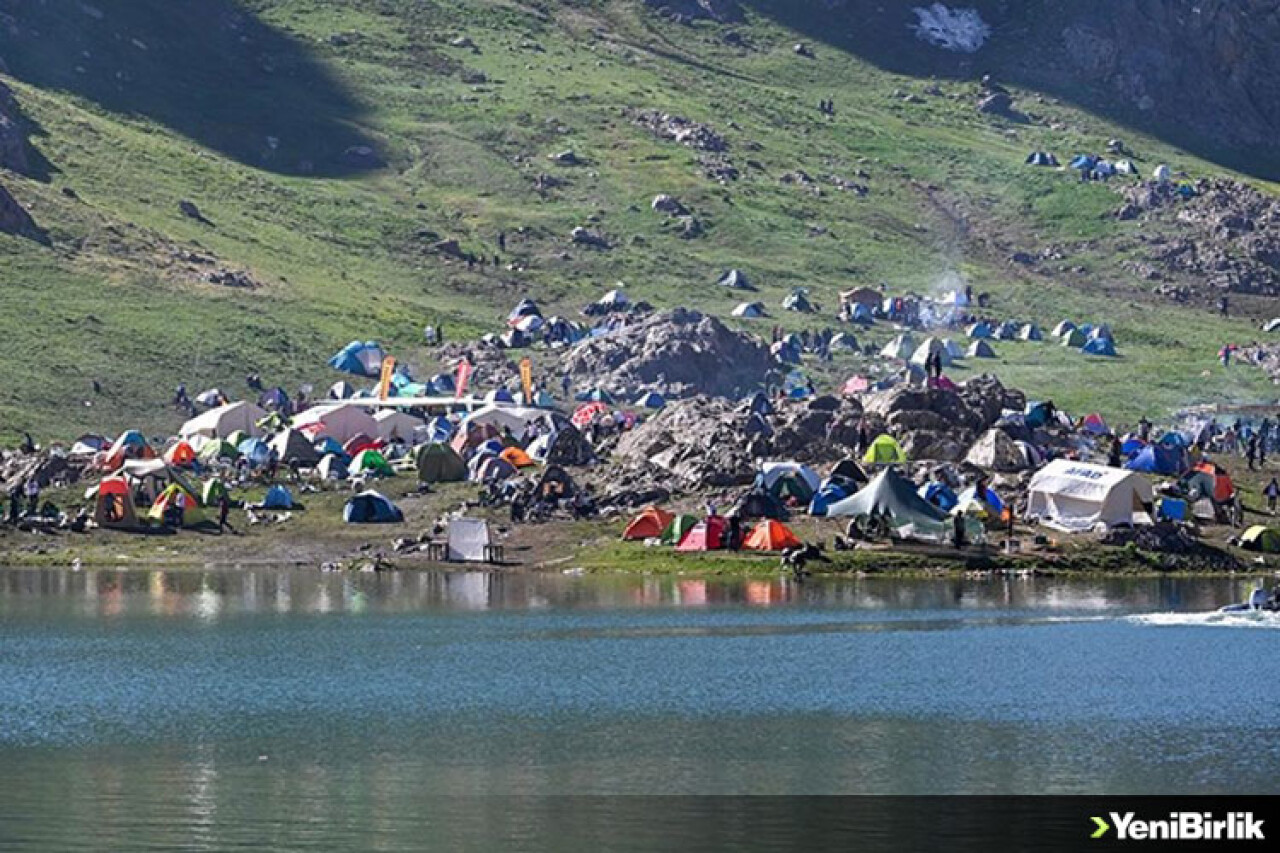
(468, 540)
(899, 347)
(224, 420)
(394, 425)
(771, 472)
(341, 422)
(931, 346)
(749, 309)
(502, 417)
(1076, 496)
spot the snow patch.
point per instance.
(959, 30)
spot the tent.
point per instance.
(652, 400)
(212, 492)
(524, 308)
(1162, 173)
(1125, 167)
(370, 462)
(341, 421)
(180, 454)
(1041, 158)
(952, 348)
(1008, 331)
(649, 524)
(292, 446)
(1220, 487)
(1030, 332)
(1074, 496)
(981, 331)
(217, 449)
(988, 500)
(1271, 325)
(749, 310)
(893, 495)
(1063, 328)
(517, 457)
(1093, 423)
(493, 469)
(1159, 459)
(931, 347)
(866, 296)
(757, 403)
(900, 347)
(676, 530)
(278, 497)
(844, 341)
(771, 535)
(437, 462)
(885, 450)
(783, 480)
(1099, 346)
(587, 413)
(855, 385)
(1084, 162)
(273, 399)
(359, 358)
(736, 280)
(175, 497)
(860, 313)
(938, 494)
(223, 421)
(513, 418)
(798, 300)
(468, 541)
(785, 353)
(341, 390)
(1259, 538)
(357, 443)
(395, 426)
(706, 535)
(370, 507)
(255, 450)
(113, 505)
(332, 467)
(980, 349)
(1100, 331)
(1074, 338)
(499, 395)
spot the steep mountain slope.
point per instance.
(224, 187)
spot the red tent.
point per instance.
(588, 413)
(770, 535)
(706, 535)
(357, 443)
(648, 524)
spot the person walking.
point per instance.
(33, 495)
(224, 510)
(1251, 451)
(1272, 492)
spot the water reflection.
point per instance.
(213, 595)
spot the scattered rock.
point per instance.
(565, 158)
(362, 157)
(692, 134)
(996, 103)
(669, 205)
(191, 211)
(802, 49)
(588, 237)
(691, 228)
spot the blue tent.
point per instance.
(359, 358)
(1098, 346)
(860, 313)
(982, 331)
(273, 399)
(439, 429)
(1173, 439)
(328, 444)
(939, 495)
(757, 425)
(371, 508)
(594, 395)
(1158, 459)
(1037, 415)
(758, 402)
(652, 400)
(492, 446)
(1084, 162)
(442, 383)
(830, 493)
(1131, 446)
(255, 450)
(278, 497)
(499, 395)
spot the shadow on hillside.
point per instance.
(1026, 52)
(208, 69)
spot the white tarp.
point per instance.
(1076, 496)
(515, 417)
(468, 540)
(224, 420)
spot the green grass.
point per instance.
(338, 252)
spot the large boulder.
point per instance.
(996, 451)
(692, 444)
(676, 353)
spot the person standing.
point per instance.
(1272, 492)
(1251, 451)
(224, 510)
(33, 495)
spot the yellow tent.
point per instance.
(885, 450)
(175, 496)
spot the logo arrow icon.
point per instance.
(1103, 826)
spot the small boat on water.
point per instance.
(1260, 600)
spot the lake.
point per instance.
(286, 709)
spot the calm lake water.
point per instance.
(281, 709)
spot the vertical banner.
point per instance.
(464, 374)
(384, 384)
(526, 379)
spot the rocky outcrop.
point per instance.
(676, 353)
(14, 218)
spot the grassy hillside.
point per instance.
(255, 111)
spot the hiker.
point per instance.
(224, 510)
(28, 443)
(1113, 458)
(429, 333)
(957, 529)
(1251, 451)
(502, 241)
(735, 532)
(565, 384)
(33, 495)
(15, 501)
(1272, 492)
(180, 398)
(1224, 306)
(1144, 428)
(1225, 355)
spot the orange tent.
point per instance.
(180, 455)
(517, 457)
(649, 524)
(1223, 488)
(770, 535)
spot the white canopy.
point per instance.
(468, 540)
(501, 417)
(341, 422)
(224, 420)
(1076, 496)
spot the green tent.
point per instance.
(885, 450)
(1074, 339)
(212, 492)
(439, 463)
(1259, 538)
(679, 526)
(218, 449)
(371, 462)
